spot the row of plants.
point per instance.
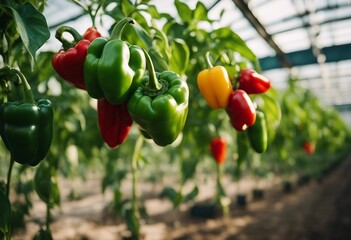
(187, 95)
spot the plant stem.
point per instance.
(8, 186)
(118, 28)
(65, 43)
(208, 61)
(48, 216)
(134, 209)
(153, 84)
(26, 89)
(9, 173)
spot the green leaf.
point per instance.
(46, 186)
(226, 38)
(31, 26)
(200, 12)
(159, 62)
(127, 7)
(169, 193)
(5, 212)
(136, 34)
(152, 10)
(180, 56)
(184, 11)
(191, 195)
(243, 150)
(267, 103)
(161, 41)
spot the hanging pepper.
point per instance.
(91, 33)
(258, 135)
(219, 149)
(214, 85)
(69, 61)
(252, 82)
(114, 122)
(309, 147)
(241, 110)
(113, 68)
(160, 105)
(26, 127)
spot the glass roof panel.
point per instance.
(293, 40)
(289, 23)
(274, 11)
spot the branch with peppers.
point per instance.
(220, 92)
(26, 128)
(112, 71)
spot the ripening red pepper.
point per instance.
(91, 33)
(219, 149)
(309, 147)
(69, 64)
(252, 82)
(241, 110)
(69, 61)
(114, 122)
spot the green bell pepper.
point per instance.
(160, 105)
(257, 133)
(113, 68)
(26, 128)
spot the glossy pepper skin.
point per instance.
(252, 82)
(69, 64)
(241, 110)
(257, 133)
(214, 85)
(69, 61)
(26, 128)
(91, 33)
(114, 122)
(113, 68)
(219, 149)
(160, 105)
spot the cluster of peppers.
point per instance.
(113, 72)
(220, 93)
(26, 125)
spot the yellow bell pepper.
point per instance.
(214, 85)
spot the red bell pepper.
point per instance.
(114, 122)
(69, 62)
(91, 33)
(309, 147)
(252, 82)
(241, 110)
(219, 149)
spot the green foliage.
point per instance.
(177, 44)
(46, 186)
(5, 213)
(27, 22)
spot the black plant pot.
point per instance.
(303, 180)
(257, 194)
(241, 200)
(205, 210)
(287, 186)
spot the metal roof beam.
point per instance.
(306, 57)
(244, 8)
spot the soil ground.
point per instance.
(317, 210)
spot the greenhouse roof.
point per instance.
(307, 38)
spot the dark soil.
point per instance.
(312, 210)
